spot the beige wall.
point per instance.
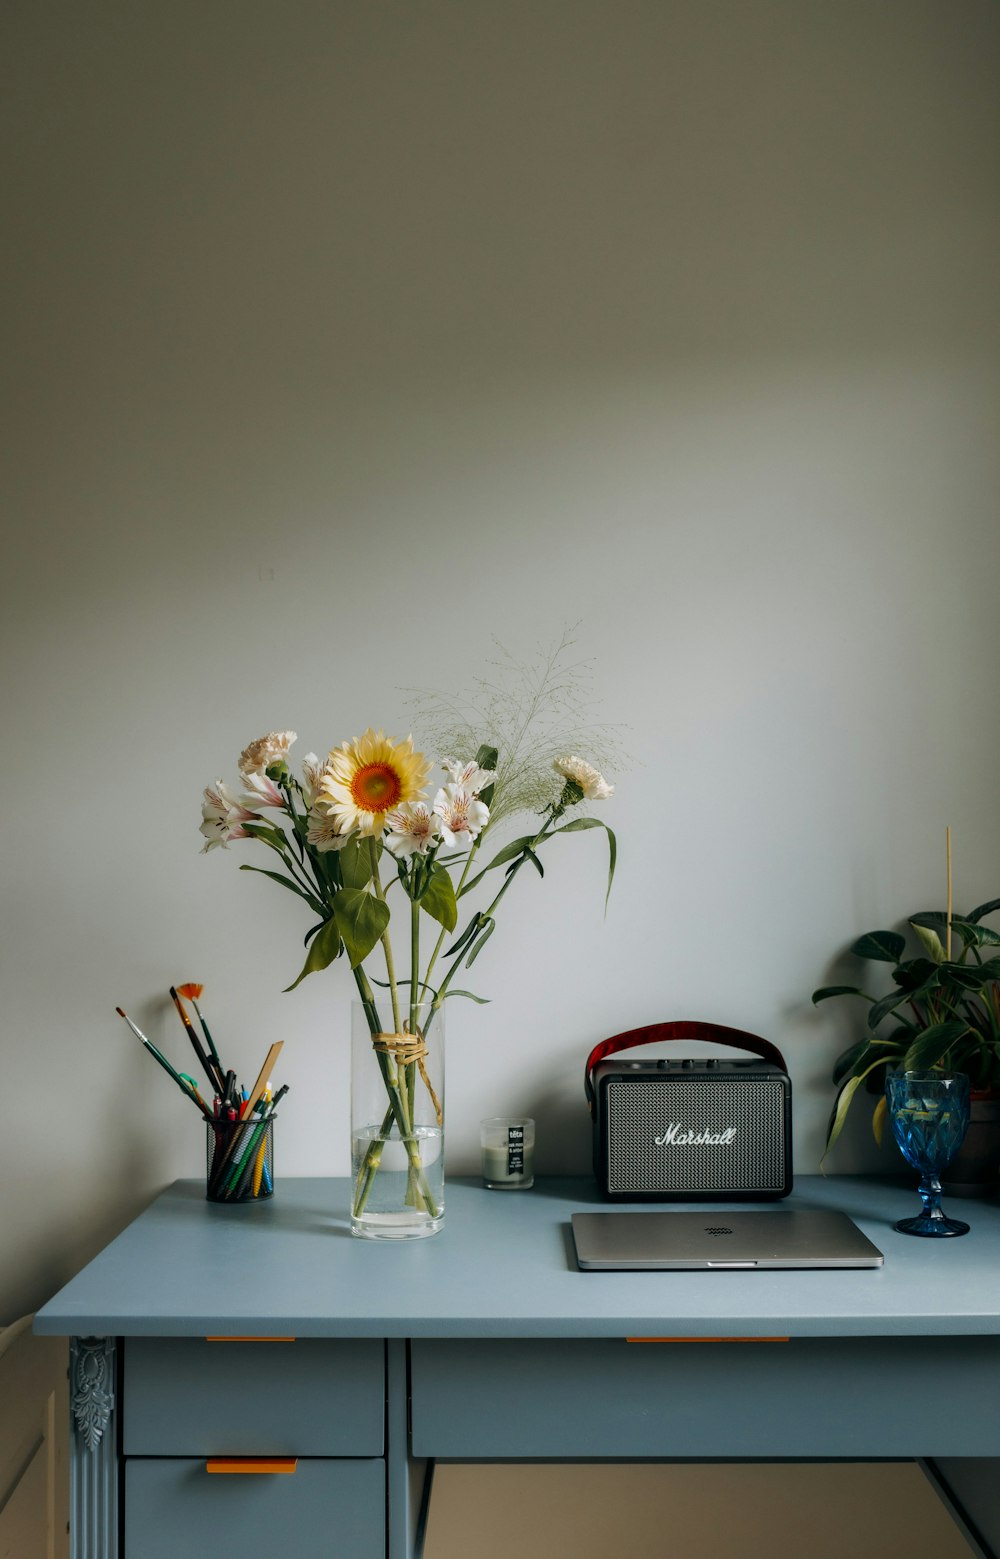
(819, 1510)
(341, 337)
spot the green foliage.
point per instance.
(945, 1011)
(361, 920)
(324, 948)
(355, 861)
(343, 886)
(286, 882)
(595, 822)
(438, 899)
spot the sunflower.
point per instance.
(369, 777)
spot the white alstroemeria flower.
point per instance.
(593, 784)
(468, 776)
(265, 751)
(413, 829)
(261, 791)
(323, 832)
(463, 818)
(313, 770)
(223, 817)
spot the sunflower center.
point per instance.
(376, 787)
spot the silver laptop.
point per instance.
(689, 1240)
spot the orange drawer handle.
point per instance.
(252, 1464)
(708, 1339)
(249, 1339)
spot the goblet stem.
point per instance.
(930, 1195)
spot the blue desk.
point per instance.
(486, 1342)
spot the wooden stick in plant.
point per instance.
(947, 839)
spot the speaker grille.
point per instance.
(641, 1109)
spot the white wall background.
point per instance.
(339, 338)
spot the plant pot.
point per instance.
(975, 1169)
(397, 1119)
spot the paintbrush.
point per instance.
(216, 1080)
(191, 991)
(157, 1055)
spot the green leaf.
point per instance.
(536, 863)
(878, 1119)
(933, 919)
(917, 975)
(438, 899)
(931, 941)
(857, 1060)
(326, 864)
(971, 977)
(980, 913)
(486, 758)
(287, 882)
(976, 936)
(488, 927)
(355, 863)
(325, 948)
(267, 835)
(885, 947)
(881, 1009)
(508, 853)
(467, 936)
(361, 921)
(826, 991)
(931, 1047)
(843, 1104)
(579, 823)
(855, 1057)
(483, 1001)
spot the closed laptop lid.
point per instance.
(689, 1240)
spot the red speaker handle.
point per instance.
(660, 1033)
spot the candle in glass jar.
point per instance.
(508, 1146)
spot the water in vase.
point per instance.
(390, 1196)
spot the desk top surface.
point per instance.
(505, 1266)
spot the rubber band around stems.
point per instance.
(407, 1049)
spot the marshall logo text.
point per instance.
(676, 1136)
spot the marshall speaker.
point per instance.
(691, 1130)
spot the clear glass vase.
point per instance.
(397, 1118)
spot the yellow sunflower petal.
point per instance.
(369, 777)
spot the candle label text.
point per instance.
(515, 1150)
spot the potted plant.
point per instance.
(942, 1012)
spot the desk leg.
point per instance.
(93, 1474)
(408, 1480)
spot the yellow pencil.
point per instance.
(258, 1168)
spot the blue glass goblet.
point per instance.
(929, 1114)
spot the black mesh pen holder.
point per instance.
(240, 1160)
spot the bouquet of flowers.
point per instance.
(357, 824)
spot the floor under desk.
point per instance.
(816, 1510)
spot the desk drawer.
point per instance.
(851, 1397)
(312, 1397)
(324, 1510)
